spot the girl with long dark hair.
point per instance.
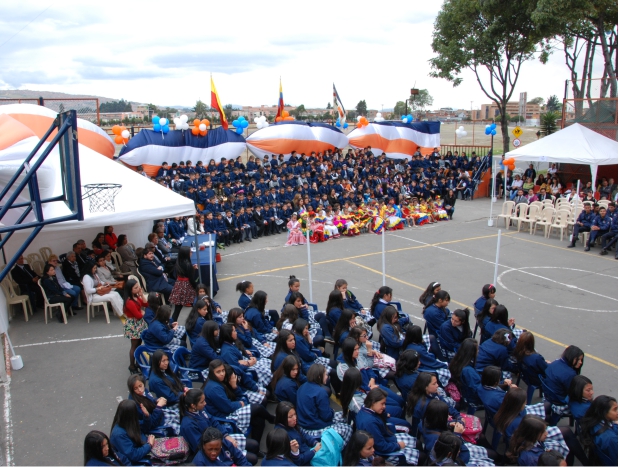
(463, 372)
(286, 420)
(483, 318)
(360, 450)
(150, 409)
(134, 324)
(407, 371)
(163, 382)
(488, 292)
(436, 313)
(380, 300)
(580, 396)
(204, 351)
(391, 335)
(429, 362)
(183, 292)
(162, 334)
(559, 375)
(453, 332)
(198, 315)
(530, 363)
(246, 334)
(599, 429)
(287, 380)
(427, 296)
(278, 449)
(495, 351)
(126, 436)
(256, 315)
(335, 306)
(98, 450)
(54, 291)
(247, 290)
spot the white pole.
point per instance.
(505, 178)
(309, 264)
(577, 195)
(496, 263)
(384, 232)
(493, 200)
(210, 263)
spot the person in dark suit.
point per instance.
(71, 269)
(156, 280)
(261, 224)
(28, 281)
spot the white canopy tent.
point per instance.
(574, 144)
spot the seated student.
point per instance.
(463, 372)
(371, 419)
(259, 319)
(154, 302)
(289, 315)
(483, 318)
(206, 347)
(225, 399)
(580, 396)
(315, 414)
(163, 335)
(527, 442)
(599, 227)
(453, 332)
(245, 365)
(488, 291)
(217, 450)
(286, 420)
(287, 380)
(446, 450)
(285, 345)
(599, 429)
(93, 288)
(317, 321)
(156, 280)
(366, 349)
(54, 291)
(381, 300)
(495, 352)
(413, 340)
(407, 371)
(280, 449)
(350, 301)
(98, 450)
(490, 392)
(335, 305)
(559, 375)
(297, 300)
(499, 319)
(390, 332)
(214, 309)
(530, 363)
(247, 335)
(126, 437)
(360, 450)
(304, 347)
(150, 408)
(164, 383)
(345, 323)
(195, 320)
(423, 391)
(427, 297)
(247, 290)
(194, 420)
(437, 312)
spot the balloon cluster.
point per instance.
(285, 117)
(180, 123)
(240, 124)
(491, 129)
(379, 117)
(122, 134)
(161, 124)
(509, 163)
(338, 123)
(361, 122)
(261, 122)
(407, 118)
(461, 132)
(199, 127)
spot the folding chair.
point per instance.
(12, 298)
(507, 211)
(49, 306)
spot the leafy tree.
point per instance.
(362, 108)
(115, 106)
(296, 113)
(421, 100)
(200, 109)
(537, 100)
(228, 112)
(493, 39)
(329, 105)
(399, 109)
(515, 118)
(553, 104)
(548, 123)
(350, 116)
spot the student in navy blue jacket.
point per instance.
(247, 289)
(244, 331)
(580, 396)
(315, 413)
(382, 298)
(359, 450)
(390, 332)
(483, 318)
(162, 380)
(287, 380)
(406, 371)
(350, 301)
(204, 351)
(294, 286)
(126, 436)
(453, 332)
(98, 450)
(335, 305)
(286, 420)
(279, 449)
(304, 348)
(488, 291)
(257, 316)
(559, 375)
(160, 332)
(414, 341)
(346, 322)
(196, 319)
(428, 295)
(194, 420)
(149, 409)
(599, 429)
(527, 442)
(490, 393)
(463, 372)
(153, 274)
(154, 302)
(234, 354)
(437, 312)
(285, 345)
(500, 319)
(218, 451)
(530, 363)
(495, 352)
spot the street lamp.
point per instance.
(414, 93)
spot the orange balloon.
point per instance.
(511, 166)
(125, 140)
(203, 133)
(289, 118)
(206, 122)
(195, 131)
(196, 122)
(116, 130)
(122, 128)
(278, 119)
(285, 114)
(118, 139)
(510, 161)
(359, 125)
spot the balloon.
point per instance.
(125, 134)
(118, 139)
(511, 166)
(157, 127)
(156, 120)
(163, 121)
(239, 130)
(289, 118)
(510, 161)
(206, 122)
(202, 127)
(488, 130)
(493, 126)
(202, 133)
(404, 120)
(379, 115)
(116, 130)
(177, 121)
(345, 125)
(358, 118)
(256, 120)
(278, 119)
(196, 122)
(244, 123)
(493, 133)
(195, 131)
(359, 125)
(409, 118)
(184, 118)
(165, 129)
(285, 114)
(337, 124)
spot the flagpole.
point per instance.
(309, 262)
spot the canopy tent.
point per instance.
(575, 144)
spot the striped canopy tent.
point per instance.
(396, 139)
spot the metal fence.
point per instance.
(86, 108)
(599, 115)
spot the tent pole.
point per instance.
(195, 242)
(493, 200)
(496, 262)
(384, 232)
(309, 262)
(210, 264)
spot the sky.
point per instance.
(165, 52)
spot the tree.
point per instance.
(548, 123)
(228, 112)
(421, 100)
(200, 109)
(296, 113)
(350, 116)
(362, 108)
(537, 100)
(329, 105)
(399, 109)
(115, 106)
(553, 104)
(493, 39)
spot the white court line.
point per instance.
(6, 412)
(70, 340)
(529, 273)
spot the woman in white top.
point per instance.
(516, 185)
(92, 284)
(191, 223)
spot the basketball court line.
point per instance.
(565, 249)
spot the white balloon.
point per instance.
(184, 118)
(359, 118)
(379, 115)
(461, 128)
(163, 121)
(464, 133)
(256, 120)
(125, 134)
(202, 127)
(184, 126)
(404, 120)
(177, 121)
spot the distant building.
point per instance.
(490, 111)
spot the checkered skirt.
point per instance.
(339, 425)
(262, 368)
(177, 340)
(554, 439)
(265, 350)
(408, 451)
(242, 418)
(478, 455)
(172, 418)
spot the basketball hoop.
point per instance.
(101, 196)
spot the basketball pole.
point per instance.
(195, 242)
(384, 232)
(496, 262)
(309, 263)
(493, 200)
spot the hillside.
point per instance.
(26, 94)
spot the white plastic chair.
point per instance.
(507, 212)
(90, 308)
(520, 214)
(13, 299)
(546, 220)
(46, 252)
(560, 222)
(49, 306)
(532, 217)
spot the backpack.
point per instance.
(331, 451)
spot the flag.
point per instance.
(337, 104)
(280, 103)
(216, 104)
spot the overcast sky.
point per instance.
(164, 52)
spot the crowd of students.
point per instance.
(407, 397)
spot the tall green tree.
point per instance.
(329, 105)
(399, 109)
(200, 109)
(228, 112)
(537, 100)
(492, 38)
(548, 123)
(421, 100)
(296, 113)
(553, 104)
(362, 108)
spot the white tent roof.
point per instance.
(574, 144)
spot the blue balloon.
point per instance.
(239, 130)
(156, 126)
(487, 131)
(244, 123)
(493, 126)
(338, 124)
(345, 125)
(165, 129)
(156, 119)
(493, 133)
